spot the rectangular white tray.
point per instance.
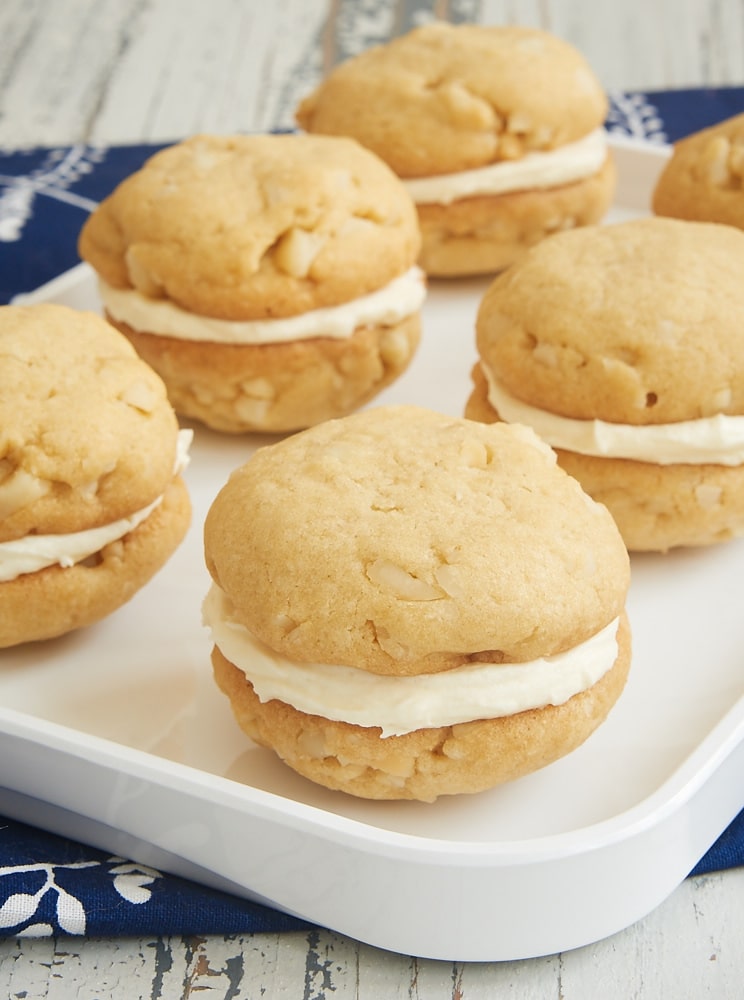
(117, 736)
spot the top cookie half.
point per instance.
(635, 323)
(87, 435)
(255, 227)
(447, 98)
(401, 541)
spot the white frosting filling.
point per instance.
(402, 297)
(36, 552)
(717, 440)
(401, 705)
(572, 162)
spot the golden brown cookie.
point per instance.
(269, 279)
(622, 346)
(496, 130)
(485, 234)
(366, 627)
(91, 503)
(704, 178)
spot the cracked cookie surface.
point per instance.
(87, 435)
(255, 226)
(432, 539)
(636, 323)
(445, 98)
(704, 178)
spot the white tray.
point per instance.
(117, 736)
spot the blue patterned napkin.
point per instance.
(51, 885)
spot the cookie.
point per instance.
(623, 347)
(270, 280)
(407, 605)
(495, 130)
(91, 501)
(704, 178)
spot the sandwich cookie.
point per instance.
(92, 503)
(407, 605)
(271, 280)
(623, 348)
(496, 131)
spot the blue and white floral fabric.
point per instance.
(51, 885)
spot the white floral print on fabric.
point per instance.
(40, 880)
(60, 169)
(634, 115)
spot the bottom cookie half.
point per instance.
(57, 600)
(464, 758)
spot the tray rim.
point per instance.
(636, 865)
(672, 794)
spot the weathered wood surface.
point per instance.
(113, 71)
(689, 948)
(153, 70)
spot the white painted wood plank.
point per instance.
(689, 947)
(53, 82)
(635, 45)
(291, 62)
(25, 967)
(222, 69)
(125, 71)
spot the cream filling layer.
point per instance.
(36, 552)
(400, 705)
(387, 306)
(717, 440)
(572, 162)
